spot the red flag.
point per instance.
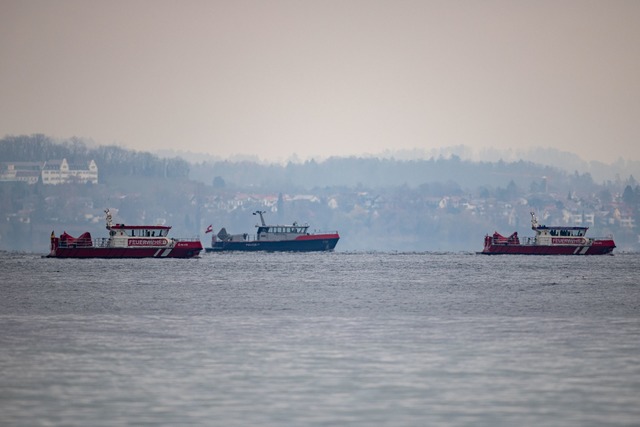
(209, 229)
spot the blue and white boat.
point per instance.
(275, 238)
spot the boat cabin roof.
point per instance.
(559, 227)
(140, 227)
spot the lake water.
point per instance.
(321, 339)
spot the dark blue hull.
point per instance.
(309, 245)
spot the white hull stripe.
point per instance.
(166, 252)
(157, 252)
(584, 250)
(576, 251)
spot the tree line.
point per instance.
(111, 159)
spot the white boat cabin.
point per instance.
(139, 230)
(561, 231)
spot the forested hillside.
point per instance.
(112, 160)
(374, 173)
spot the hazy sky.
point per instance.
(324, 77)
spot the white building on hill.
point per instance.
(60, 172)
(28, 172)
(52, 172)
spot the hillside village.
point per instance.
(42, 196)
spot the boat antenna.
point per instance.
(261, 217)
(534, 221)
(109, 218)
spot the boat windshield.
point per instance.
(143, 232)
(563, 232)
(283, 229)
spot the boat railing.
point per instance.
(532, 240)
(509, 240)
(244, 237)
(101, 242)
(324, 232)
(104, 242)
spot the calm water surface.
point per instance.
(320, 339)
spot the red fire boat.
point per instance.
(125, 241)
(554, 240)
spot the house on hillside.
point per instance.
(52, 172)
(28, 172)
(56, 172)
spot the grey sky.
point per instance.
(324, 77)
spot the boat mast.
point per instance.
(261, 217)
(534, 221)
(109, 218)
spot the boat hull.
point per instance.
(319, 243)
(180, 250)
(598, 247)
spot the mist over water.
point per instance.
(320, 339)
